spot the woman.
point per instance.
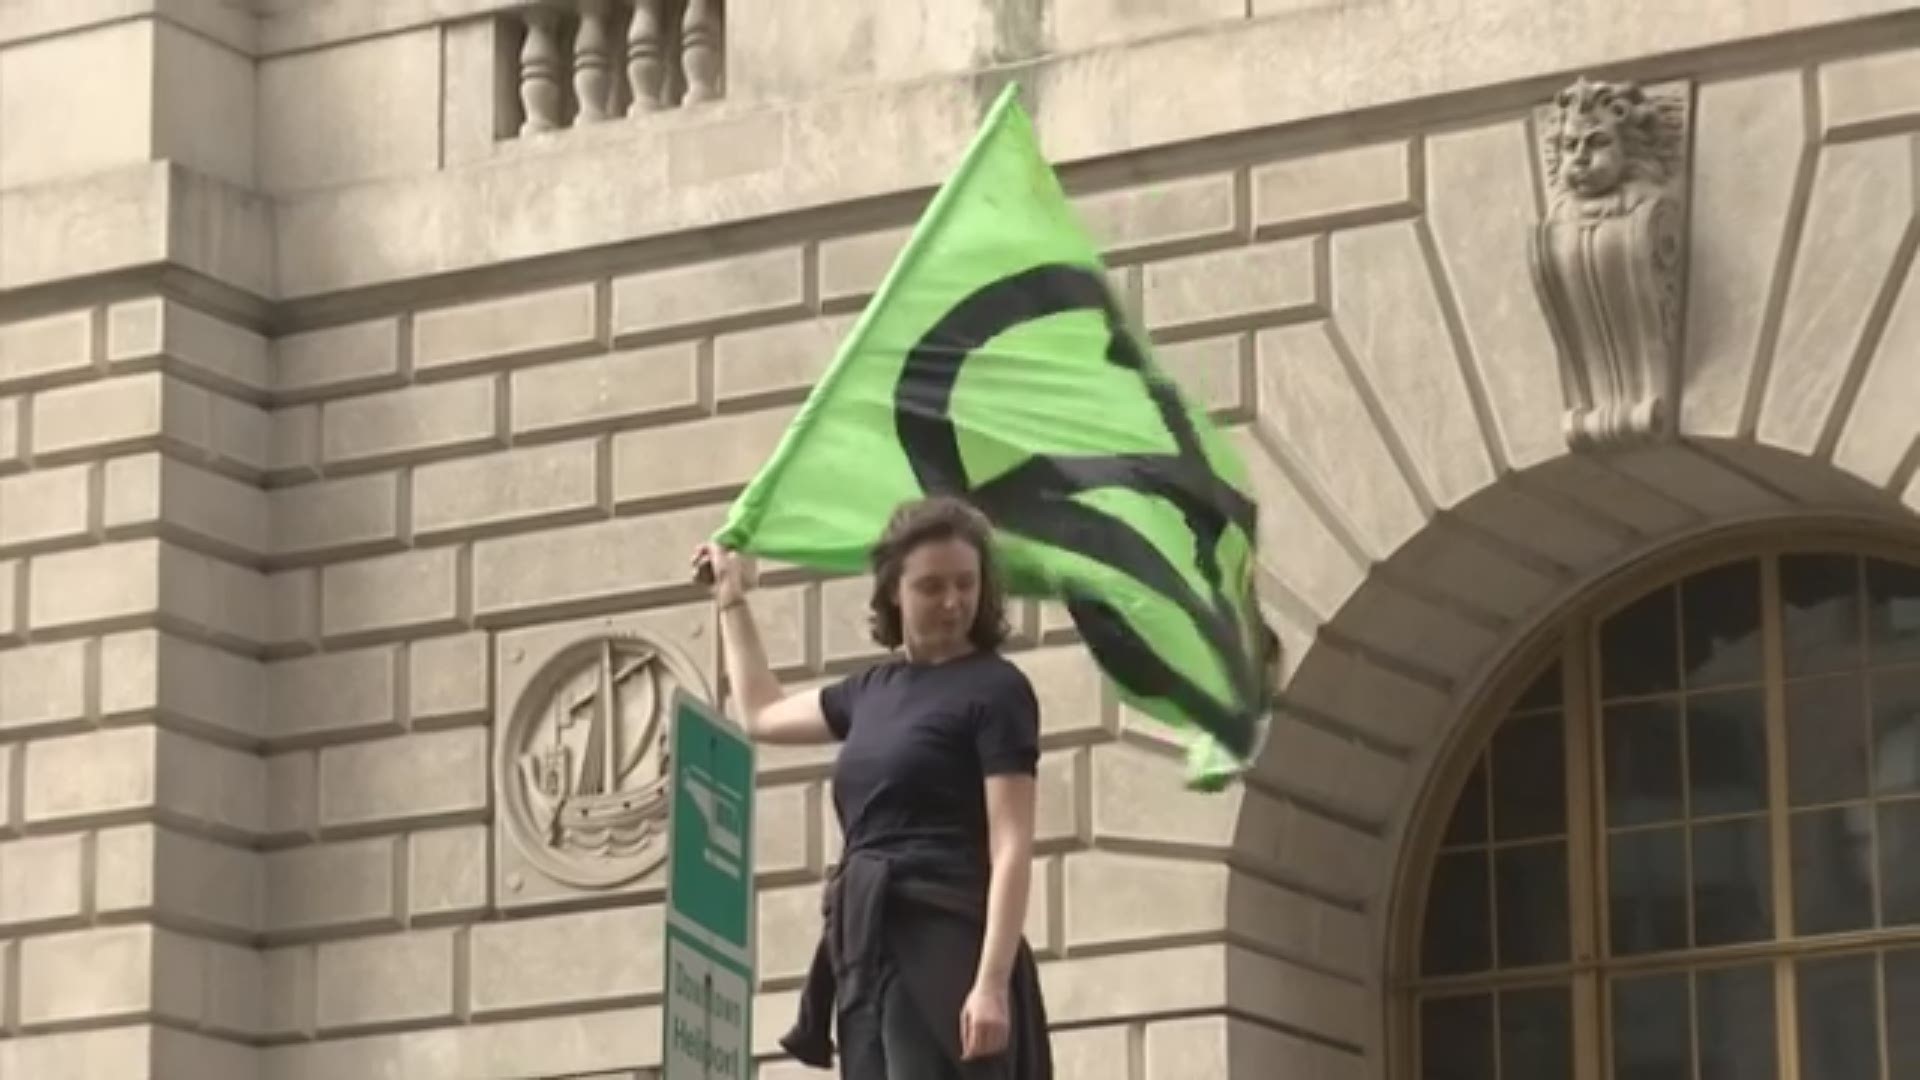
(922, 964)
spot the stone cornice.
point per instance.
(138, 217)
(293, 25)
(737, 162)
(229, 22)
(741, 174)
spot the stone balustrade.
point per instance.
(587, 61)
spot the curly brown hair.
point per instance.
(925, 521)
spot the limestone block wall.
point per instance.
(458, 483)
(180, 84)
(133, 704)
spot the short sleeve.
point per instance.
(1008, 732)
(837, 701)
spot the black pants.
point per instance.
(910, 1049)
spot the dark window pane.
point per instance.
(1639, 653)
(1720, 625)
(1536, 1034)
(1903, 1012)
(1532, 884)
(1899, 841)
(1469, 822)
(1544, 693)
(1896, 732)
(1456, 1038)
(1459, 928)
(1736, 1022)
(1826, 741)
(1650, 1035)
(1839, 1030)
(1647, 891)
(1727, 753)
(1893, 611)
(1732, 875)
(1820, 595)
(1832, 890)
(1529, 778)
(1643, 763)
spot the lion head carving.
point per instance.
(1608, 148)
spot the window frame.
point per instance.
(1570, 634)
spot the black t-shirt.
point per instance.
(920, 741)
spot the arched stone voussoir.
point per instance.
(1288, 842)
(1365, 694)
(1348, 778)
(1803, 483)
(1387, 682)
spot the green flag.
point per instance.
(995, 364)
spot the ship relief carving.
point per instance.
(1609, 260)
(582, 765)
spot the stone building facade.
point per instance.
(362, 392)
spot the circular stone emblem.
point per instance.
(583, 765)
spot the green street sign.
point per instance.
(710, 910)
(709, 1014)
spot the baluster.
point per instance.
(591, 85)
(645, 68)
(540, 94)
(700, 49)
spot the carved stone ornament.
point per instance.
(581, 768)
(1609, 261)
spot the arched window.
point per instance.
(1689, 848)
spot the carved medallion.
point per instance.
(582, 766)
(1609, 261)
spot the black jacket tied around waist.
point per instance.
(882, 919)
